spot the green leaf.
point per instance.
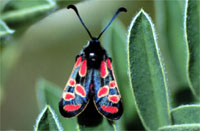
(186, 114)
(17, 10)
(4, 29)
(147, 74)
(114, 41)
(169, 22)
(47, 120)
(48, 93)
(182, 127)
(192, 35)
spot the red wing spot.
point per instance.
(68, 96)
(104, 71)
(109, 109)
(72, 82)
(113, 98)
(109, 63)
(80, 90)
(78, 61)
(112, 84)
(103, 91)
(83, 69)
(71, 107)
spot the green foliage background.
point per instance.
(47, 39)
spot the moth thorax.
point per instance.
(94, 60)
(92, 56)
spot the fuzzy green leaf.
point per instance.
(147, 74)
(186, 114)
(182, 127)
(169, 22)
(49, 93)
(114, 41)
(4, 29)
(47, 120)
(17, 10)
(192, 34)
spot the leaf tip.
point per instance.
(140, 14)
(40, 119)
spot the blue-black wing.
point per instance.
(75, 95)
(107, 97)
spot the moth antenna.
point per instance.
(122, 9)
(75, 9)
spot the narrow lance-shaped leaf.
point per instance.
(49, 93)
(182, 127)
(192, 35)
(169, 23)
(147, 74)
(186, 114)
(47, 120)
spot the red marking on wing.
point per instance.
(113, 98)
(109, 63)
(104, 70)
(78, 61)
(103, 91)
(68, 96)
(83, 68)
(80, 90)
(72, 82)
(112, 84)
(71, 107)
(109, 109)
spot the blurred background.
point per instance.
(44, 38)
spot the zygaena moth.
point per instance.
(92, 73)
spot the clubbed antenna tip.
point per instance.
(122, 9)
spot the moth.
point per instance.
(92, 78)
